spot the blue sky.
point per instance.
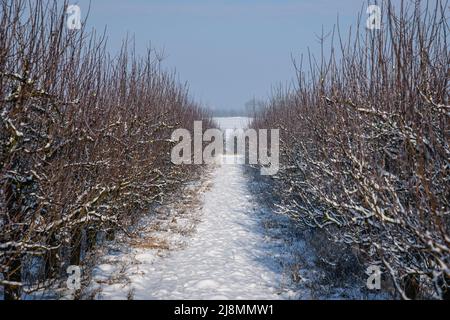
(227, 51)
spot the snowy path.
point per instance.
(231, 255)
(225, 259)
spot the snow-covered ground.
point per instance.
(231, 254)
(233, 122)
(220, 242)
(228, 125)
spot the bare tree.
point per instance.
(85, 139)
(365, 142)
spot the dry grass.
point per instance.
(151, 243)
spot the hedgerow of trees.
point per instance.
(85, 146)
(365, 145)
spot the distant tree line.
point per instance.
(250, 108)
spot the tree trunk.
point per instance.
(110, 235)
(411, 286)
(14, 274)
(51, 264)
(75, 255)
(91, 238)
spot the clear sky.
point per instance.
(227, 50)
